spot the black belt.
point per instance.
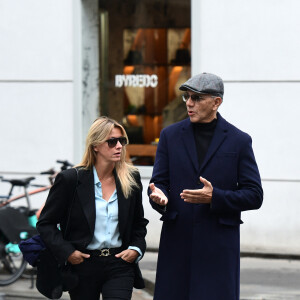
(104, 251)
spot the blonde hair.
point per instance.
(98, 134)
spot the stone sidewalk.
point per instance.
(261, 279)
(21, 291)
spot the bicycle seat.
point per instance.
(48, 172)
(19, 182)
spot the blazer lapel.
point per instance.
(218, 138)
(86, 195)
(188, 138)
(123, 205)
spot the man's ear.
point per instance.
(218, 102)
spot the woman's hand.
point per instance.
(128, 255)
(77, 257)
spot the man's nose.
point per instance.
(189, 102)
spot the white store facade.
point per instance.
(54, 61)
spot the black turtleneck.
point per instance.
(203, 133)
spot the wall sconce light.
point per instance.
(182, 57)
(134, 57)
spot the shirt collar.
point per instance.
(96, 179)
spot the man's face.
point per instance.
(203, 109)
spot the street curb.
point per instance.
(33, 295)
(149, 286)
(256, 254)
(271, 255)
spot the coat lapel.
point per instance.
(187, 134)
(218, 138)
(86, 195)
(123, 205)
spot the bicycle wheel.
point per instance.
(12, 265)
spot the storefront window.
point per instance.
(147, 58)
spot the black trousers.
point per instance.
(110, 276)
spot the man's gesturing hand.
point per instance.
(157, 195)
(203, 195)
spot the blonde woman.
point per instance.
(105, 235)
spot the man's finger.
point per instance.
(162, 201)
(204, 181)
(152, 186)
(159, 200)
(190, 200)
(189, 197)
(154, 197)
(190, 192)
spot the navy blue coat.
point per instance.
(199, 253)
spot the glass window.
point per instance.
(145, 56)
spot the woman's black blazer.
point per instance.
(73, 198)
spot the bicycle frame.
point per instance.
(26, 194)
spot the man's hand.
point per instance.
(203, 195)
(77, 257)
(157, 195)
(128, 255)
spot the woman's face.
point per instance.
(110, 154)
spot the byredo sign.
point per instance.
(139, 80)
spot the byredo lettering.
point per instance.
(139, 80)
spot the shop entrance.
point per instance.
(144, 57)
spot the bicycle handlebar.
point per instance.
(26, 182)
(65, 164)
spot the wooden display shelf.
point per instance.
(140, 150)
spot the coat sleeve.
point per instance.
(56, 212)
(249, 193)
(139, 230)
(160, 175)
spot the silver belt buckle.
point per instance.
(104, 252)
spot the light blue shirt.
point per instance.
(107, 234)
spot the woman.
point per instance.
(106, 228)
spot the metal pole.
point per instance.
(27, 200)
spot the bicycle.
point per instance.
(18, 223)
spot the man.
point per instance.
(204, 175)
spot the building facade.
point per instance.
(63, 63)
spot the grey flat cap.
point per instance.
(205, 83)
